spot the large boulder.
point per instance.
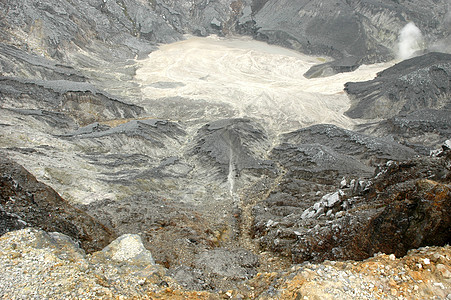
(128, 248)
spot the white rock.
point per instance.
(269, 223)
(426, 261)
(343, 183)
(128, 247)
(319, 212)
(392, 257)
(307, 214)
(339, 214)
(317, 205)
(332, 199)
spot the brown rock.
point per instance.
(35, 204)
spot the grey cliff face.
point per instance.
(418, 83)
(366, 30)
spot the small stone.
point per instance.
(426, 261)
(443, 270)
(391, 282)
(339, 214)
(439, 284)
(392, 257)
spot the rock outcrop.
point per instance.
(128, 248)
(78, 100)
(416, 84)
(364, 30)
(405, 206)
(26, 202)
(357, 31)
(422, 130)
(231, 145)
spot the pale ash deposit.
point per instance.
(256, 80)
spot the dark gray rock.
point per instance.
(367, 30)
(364, 29)
(389, 215)
(24, 200)
(347, 64)
(56, 120)
(233, 264)
(419, 83)
(423, 130)
(217, 269)
(152, 130)
(305, 206)
(231, 143)
(318, 163)
(367, 149)
(10, 222)
(64, 96)
(53, 27)
(20, 63)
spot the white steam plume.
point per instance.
(410, 40)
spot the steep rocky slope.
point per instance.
(412, 98)
(25, 202)
(418, 83)
(365, 30)
(222, 184)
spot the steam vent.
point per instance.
(225, 149)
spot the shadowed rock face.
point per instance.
(79, 100)
(423, 130)
(419, 83)
(359, 146)
(364, 30)
(231, 144)
(397, 210)
(411, 97)
(316, 160)
(27, 202)
(20, 63)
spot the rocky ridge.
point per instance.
(66, 271)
